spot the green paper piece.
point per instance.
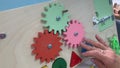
(55, 18)
(114, 44)
(103, 8)
(59, 63)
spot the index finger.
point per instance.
(95, 54)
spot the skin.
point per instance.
(103, 55)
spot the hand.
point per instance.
(103, 55)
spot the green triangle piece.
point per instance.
(103, 8)
(59, 63)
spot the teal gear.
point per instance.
(55, 17)
(114, 44)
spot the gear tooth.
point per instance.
(35, 40)
(60, 49)
(78, 45)
(68, 19)
(52, 32)
(70, 22)
(48, 60)
(50, 5)
(42, 59)
(37, 57)
(55, 31)
(54, 4)
(65, 33)
(50, 29)
(33, 45)
(75, 21)
(60, 5)
(60, 44)
(74, 45)
(66, 38)
(67, 28)
(57, 55)
(64, 29)
(45, 25)
(46, 8)
(40, 34)
(53, 58)
(45, 31)
(43, 19)
(44, 13)
(71, 46)
(34, 51)
(67, 43)
(60, 32)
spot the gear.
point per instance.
(74, 34)
(56, 17)
(46, 46)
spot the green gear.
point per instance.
(55, 17)
(114, 44)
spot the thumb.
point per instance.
(98, 63)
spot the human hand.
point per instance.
(103, 56)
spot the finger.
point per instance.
(95, 54)
(87, 47)
(98, 63)
(100, 40)
(96, 44)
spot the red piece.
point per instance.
(46, 46)
(75, 59)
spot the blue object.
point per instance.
(10, 4)
(83, 49)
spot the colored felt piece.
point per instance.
(75, 59)
(59, 63)
(103, 8)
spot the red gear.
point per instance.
(47, 46)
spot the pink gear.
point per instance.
(74, 34)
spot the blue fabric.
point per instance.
(10, 4)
